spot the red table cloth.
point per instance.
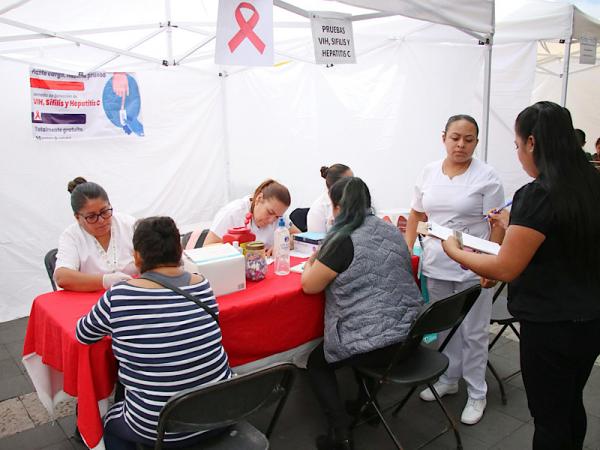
(268, 317)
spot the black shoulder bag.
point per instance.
(151, 277)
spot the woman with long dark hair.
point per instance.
(551, 257)
(371, 298)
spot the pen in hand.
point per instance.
(497, 210)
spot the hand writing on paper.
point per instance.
(498, 219)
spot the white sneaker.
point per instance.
(441, 388)
(473, 411)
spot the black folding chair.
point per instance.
(424, 366)
(501, 316)
(199, 243)
(227, 404)
(298, 218)
(50, 263)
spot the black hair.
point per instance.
(82, 190)
(458, 117)
(597, 142)
(572, 182)
(580, 135)
(352, 195)
(157, 241)
(333, 173)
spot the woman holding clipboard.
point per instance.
(551, 258)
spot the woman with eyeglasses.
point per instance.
(96, 251)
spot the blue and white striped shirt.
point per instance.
(164, 344)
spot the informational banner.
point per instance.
(245, 33)
(333, 38)
(587, 50)
(95, 105)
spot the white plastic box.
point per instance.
(222, 265)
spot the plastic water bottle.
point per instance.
(281, 249)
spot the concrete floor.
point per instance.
(25, 425)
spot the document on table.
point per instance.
(443, 233)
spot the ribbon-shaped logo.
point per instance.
(246, 29)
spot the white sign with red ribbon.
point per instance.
(245, 33)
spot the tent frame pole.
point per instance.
(169, 32)
(487, 76)
(85, 42)
(131, 47)
(565, 73)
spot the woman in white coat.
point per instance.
(457, 192)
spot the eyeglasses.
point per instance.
(93, 218)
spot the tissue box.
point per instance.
(308, 242)
(222, 265)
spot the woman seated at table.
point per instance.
(164, 342)
(320, 215)
(96, 251)
(371, 298)
(263, 209)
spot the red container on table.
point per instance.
(240, 234)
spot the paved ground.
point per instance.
(24, 424)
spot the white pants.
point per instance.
(468, 348)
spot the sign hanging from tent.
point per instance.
(333, 38)
(587, 50)
(245, 33)
(95, 105)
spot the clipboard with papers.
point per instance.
(472, 242)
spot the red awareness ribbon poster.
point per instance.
(245, 33)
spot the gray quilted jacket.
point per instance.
(373, 303)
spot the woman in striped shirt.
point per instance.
(164, 343)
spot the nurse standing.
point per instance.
(457, 192)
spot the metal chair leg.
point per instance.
(403, 401)
(497, 336)
(499, 380)
(447, 414)
(372, 402)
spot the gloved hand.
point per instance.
(111, 278)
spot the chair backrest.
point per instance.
(194, 239)
(445, 314)
(50, 263)
(298, 218)
(227, 402)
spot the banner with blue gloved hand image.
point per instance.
(84, 106)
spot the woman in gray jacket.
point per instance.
(364, 267)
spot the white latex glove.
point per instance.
(111, 278)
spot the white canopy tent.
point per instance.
(213, 133)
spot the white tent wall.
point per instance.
(583, 96)
(176, 169)
(208, 136)
(383, 117)
(513, 75)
